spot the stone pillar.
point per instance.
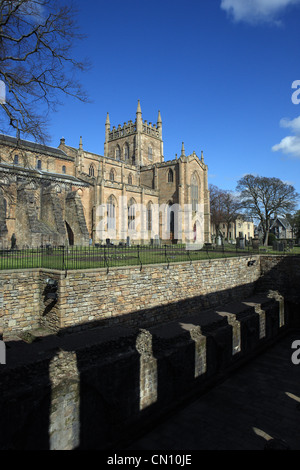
(148, 369)
(200, 350)
(64, 419)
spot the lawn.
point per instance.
(112, 256)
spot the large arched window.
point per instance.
(149, 217)
(111, 213)
(131, 214)
(118, 153)
(194, 192)
(112, 175)
(126, 152)
(170, 176)
(92, 170)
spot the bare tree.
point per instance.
(36, 63)
(231, 208)
(265, 198)
(217, 197)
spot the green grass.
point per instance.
(93, 258)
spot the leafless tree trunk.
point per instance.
(36, 63)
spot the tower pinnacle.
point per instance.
(182, 150)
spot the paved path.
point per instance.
(258, 403)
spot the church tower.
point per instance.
(137, 143)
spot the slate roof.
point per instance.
(33, 147)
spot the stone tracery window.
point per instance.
(170, 176)
(118, 152)
(150, 153)
(194, 192)
(131, 214)
(112, 175)
(92, 170)
(126, 152)
(111, 213)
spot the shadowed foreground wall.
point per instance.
(89, 389)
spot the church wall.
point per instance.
(147, 178)
(146, 142)
(168, 190)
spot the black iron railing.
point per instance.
(107, 256)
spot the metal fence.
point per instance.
(107, 256)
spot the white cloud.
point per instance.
(293, 124)
(290, 145)
(256, 11)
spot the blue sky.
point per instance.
(219, 71)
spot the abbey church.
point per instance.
(130, 194)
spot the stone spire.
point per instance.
(107, 131)
(80, 143)
(159, 121)
(182, 150)
(159, 125)
(202, 157)
(139, 110)
(139, 121)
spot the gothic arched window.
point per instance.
(170, 176)
(150, 153)
(149, 217)
(126, 152)
(112, 175)
(111, 213)
(130, 179)
(131, 214)
(91, 170)
(64, 169)
(118, 153)
(194, 192)
(39, 164)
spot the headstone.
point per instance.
(13, 241)
(242, 242)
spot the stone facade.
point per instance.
(68, 195)
(137, 298)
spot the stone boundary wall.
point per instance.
(20, 300)
(137, 297)
(81, 395)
